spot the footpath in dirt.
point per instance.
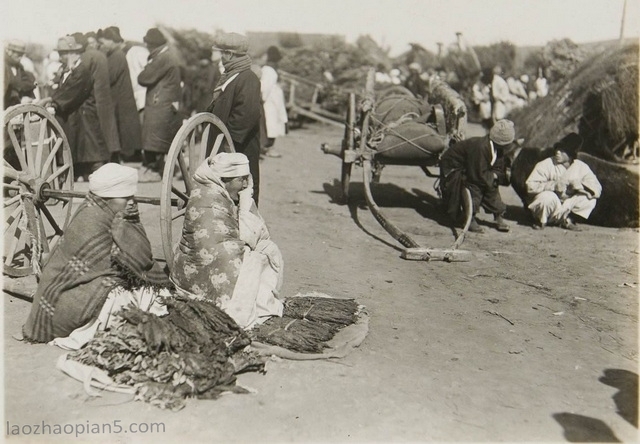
(534, 339)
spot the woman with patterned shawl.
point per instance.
(102, 262)
(225, 253)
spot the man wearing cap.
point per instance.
(237, 101)
(78, 105)
(103, 250)
(477, 164)
(19, 84)
(126, 112)
(161, 77)
(226, 253)
(562, 187)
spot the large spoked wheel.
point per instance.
(203, 135)
(36, 158)
(348, 146)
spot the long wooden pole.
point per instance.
(81, 194)
(624, 13)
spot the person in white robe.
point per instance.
(563, 187)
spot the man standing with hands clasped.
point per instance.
(237, 101)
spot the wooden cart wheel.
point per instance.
(348, 145)
(36, 157)
(203, 135)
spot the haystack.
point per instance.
(599, 100)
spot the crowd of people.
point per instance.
(124, 102)
(225, 253)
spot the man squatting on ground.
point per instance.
(561, 186)
(475, 163)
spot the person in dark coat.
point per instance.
(414, 82)
(75, 105)
(161, 77)
(237, 101)
(18, 83)
(126, 112)
(476, 164)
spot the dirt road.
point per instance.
(535, 339)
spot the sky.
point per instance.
(392, 23)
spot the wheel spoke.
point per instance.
(13, 243)
(193, 155)
(57, 173)
(216, 144)
(12, 200)
(51, 156)
(180, 194)
(17, 148)
(28, 142)
(11, 222)
(40, 151)
(44, 210)
(185, 173)
(205, 139)
(178, 214)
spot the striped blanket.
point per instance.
(100, 250)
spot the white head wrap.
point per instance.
(114, 180)
(229, 165)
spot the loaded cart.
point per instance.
(38, 183)
(393, 127)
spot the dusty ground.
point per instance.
(535, 339)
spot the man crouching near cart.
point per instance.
(102, 263)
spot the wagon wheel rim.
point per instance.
(348, 143)
(37, 156)
(203, 135)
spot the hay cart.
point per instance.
(38, 183)
(366, 130)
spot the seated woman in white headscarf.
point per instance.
(225, 253)
(102, 263)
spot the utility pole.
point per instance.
(624, 13)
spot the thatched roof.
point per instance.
(599, 100)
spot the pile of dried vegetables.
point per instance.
(194, 351)
(307, 323)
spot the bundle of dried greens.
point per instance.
(308, 323)
(335, 311)
(299, 335)
(195, 351)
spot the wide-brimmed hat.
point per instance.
(68, 44)
(570, 144)
(17, 46)
(232, 42)
(154, 37)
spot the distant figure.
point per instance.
(207, 74)
(500, 95)
(275, 111)
(563, 187)
(75, 105)
(237, 101)
(161, 77)
(542, 87)
(481, 95)
(126, 113)
(137, 57)
(414, 82)
(19, 84)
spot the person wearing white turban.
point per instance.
(226, 253)
(102, 263)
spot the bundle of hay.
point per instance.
(599, 100)
(194, 351)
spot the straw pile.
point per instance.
(599, 100)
